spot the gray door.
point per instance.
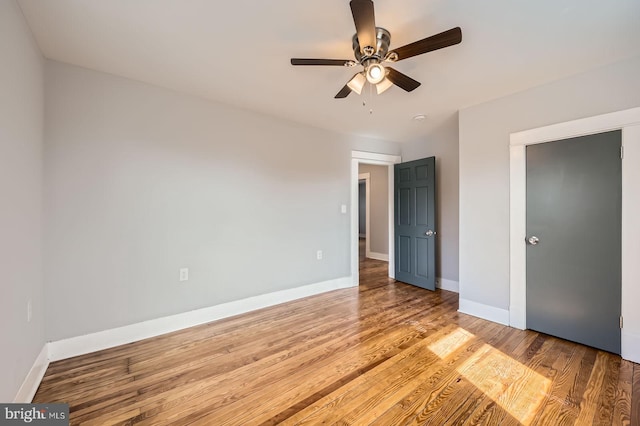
(362, 209)
(414, 231)
(574, 210)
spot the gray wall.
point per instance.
(443, 144)
(21, 124)
(484, 164)
(379, 207)
(141, 181)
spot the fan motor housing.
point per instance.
(383, 39)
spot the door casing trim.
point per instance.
(358, 157)
(627, 121)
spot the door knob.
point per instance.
(532, 240)
(430, 233)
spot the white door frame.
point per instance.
(629, 122)
(362, 157)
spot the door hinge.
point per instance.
(621, 323)
(621, 152)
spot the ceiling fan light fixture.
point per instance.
(383, 86)
(371, 50)
(375, 73)
(357, 82)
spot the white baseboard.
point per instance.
(480, 310)
(449, 285)
(30, 385)
(81, 345)
(378, 256)
(630, 346)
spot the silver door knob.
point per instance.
(533, 240)
(430, 233)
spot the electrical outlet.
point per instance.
(319, 255)
(343, 208)
(29, 311)
(184, 274)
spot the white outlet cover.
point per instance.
(319, 255)
(184, 274)
(343, 208)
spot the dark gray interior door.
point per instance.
(415, 227)
(574, 226)
(362, 209)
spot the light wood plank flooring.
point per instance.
(385, 353)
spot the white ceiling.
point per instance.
(237, 52)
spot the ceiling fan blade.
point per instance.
(344, 92)
(335, 62)
(403, 81)
(364, 18)
(435, 42)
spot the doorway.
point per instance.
(364, 214)
(388, 161)
(629, 122)
(373, 223)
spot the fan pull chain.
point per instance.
(364, 101)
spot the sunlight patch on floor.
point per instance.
(514, 386)
(448, 344)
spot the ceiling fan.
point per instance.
(371, 50)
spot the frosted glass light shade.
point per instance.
(357, 83)
(383, 85)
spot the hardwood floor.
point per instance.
(385, 353)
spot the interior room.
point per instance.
(350, 212)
